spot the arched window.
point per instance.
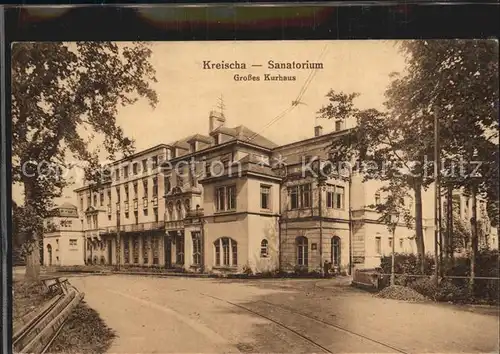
(302, 251)
(170, 209)
(180, 214)
(264, 248)
(336, 250)
(226, 252)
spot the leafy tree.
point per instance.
(382, 147)
(456, 80)
(60, 92)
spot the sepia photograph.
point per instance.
(300, 196)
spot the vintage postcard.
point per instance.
(255, 196)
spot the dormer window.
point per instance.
(193, 146)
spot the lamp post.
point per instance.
(118, 240)
(394, 222)
(321, 185)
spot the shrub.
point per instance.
(300, 270)
(247, 270)
(445, 291)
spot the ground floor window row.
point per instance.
(225, 250)
(302, 251)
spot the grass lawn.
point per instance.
(83, 332)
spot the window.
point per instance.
(101, 198)
(81, 203)
(154, 162)
(300, 196)
(95, 200)
(134, 168)
(73, 242)
(155, 211)
(144, 166)
(88, 200)
(338, 124)
(118, 194)
(125, 171)
(196, 236)
(401, 243)
(117, 174)
(338, 198)
(226, 252)
(336, 251)
(66, 223)
(231, 197)
(264, 249)
(109, 197)
(136, 192)
(166, 183)
(377, 198)
(302, 251)
(126, 192)
(145, 187)
(378, 245)
(136, 217)
(225, 198)
(178, 205)
(155, 187)
(179, 248)
(329, 198)
(390, 242)
(265, 192)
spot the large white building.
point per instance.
(232, 201)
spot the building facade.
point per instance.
(233, 201)
(63, 241)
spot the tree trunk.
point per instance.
(449, 247)
(474, 235)
(419, 233)
(32, 273)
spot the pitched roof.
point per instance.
(65, 205)
(202, 138)
(243, 133)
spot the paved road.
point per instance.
(182, 315)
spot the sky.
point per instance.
(187, 92)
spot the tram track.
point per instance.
(307, 339)
(315, 343)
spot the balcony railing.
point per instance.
(145, 202)
(174, 225)
(126, 206)
(109, 230)
(155, 201)
(145, 226)
(194, 213)
(136, 204)
(94, 233)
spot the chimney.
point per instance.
(215, 120)
(318, 130)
